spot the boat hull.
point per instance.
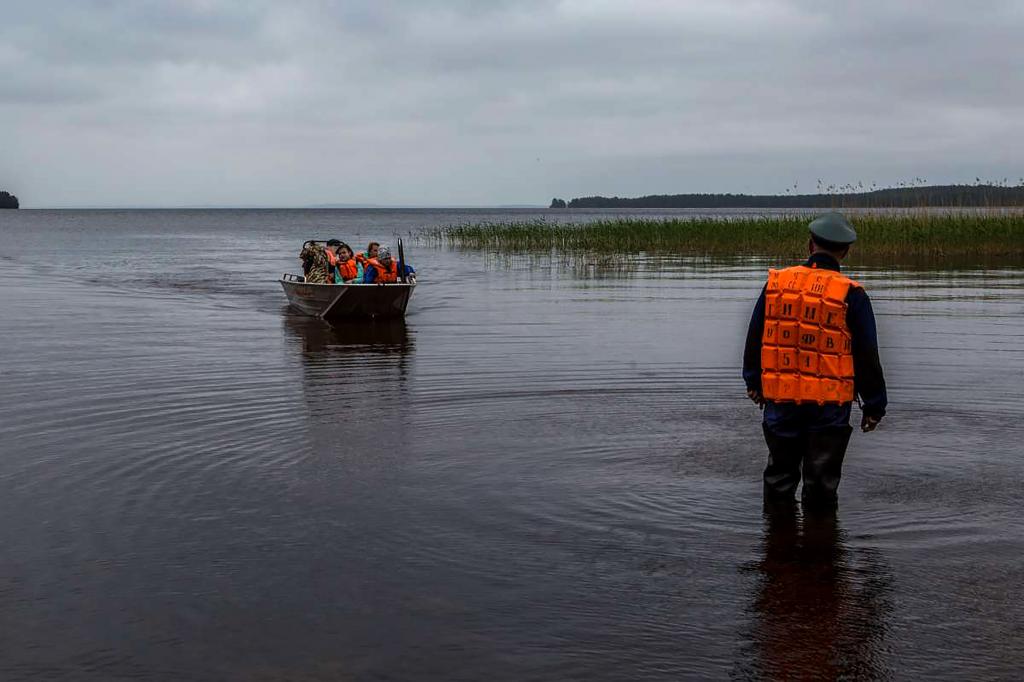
(340, 301)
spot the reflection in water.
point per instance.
(896, 272)
(354, 377)
(821, 609)
(360, 336)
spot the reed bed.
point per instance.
(881, 236)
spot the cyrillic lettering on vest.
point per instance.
(806, 348)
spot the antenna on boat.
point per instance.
(401, 262)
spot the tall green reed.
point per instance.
(881, 236)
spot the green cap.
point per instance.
(833, 228)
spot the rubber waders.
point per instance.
(821, 455)
(782, 475)
(823, 465)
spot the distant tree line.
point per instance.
(894, 197)
(8, 200)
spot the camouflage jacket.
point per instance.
(314, 264)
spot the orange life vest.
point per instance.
(334, 267)
(806, 348)
(385, 275)
(348, 269)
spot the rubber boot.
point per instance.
(823, 466)
(782, 475)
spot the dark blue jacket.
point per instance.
(868, 380)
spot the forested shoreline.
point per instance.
(8, 200)
(979, 195)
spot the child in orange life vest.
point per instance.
(372, 251)
(383, 269)
(349, 270)
(331, 251)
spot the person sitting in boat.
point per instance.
(372, 251)
(315, 265)
(348, 269)
(383, 269)
(333, 276)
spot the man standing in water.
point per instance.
(811, 349)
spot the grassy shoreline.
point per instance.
(885, 236)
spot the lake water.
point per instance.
(545, 473)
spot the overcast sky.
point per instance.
(428, 102)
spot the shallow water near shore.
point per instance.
(545, 472)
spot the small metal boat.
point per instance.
(340, 301)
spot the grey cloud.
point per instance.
(454, 102)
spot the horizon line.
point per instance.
(267, 207)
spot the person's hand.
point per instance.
(868, 423)
(756, 396)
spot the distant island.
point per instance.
(951, 196)
(8, 200)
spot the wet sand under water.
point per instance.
(541, 474)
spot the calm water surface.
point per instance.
(543, 474)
